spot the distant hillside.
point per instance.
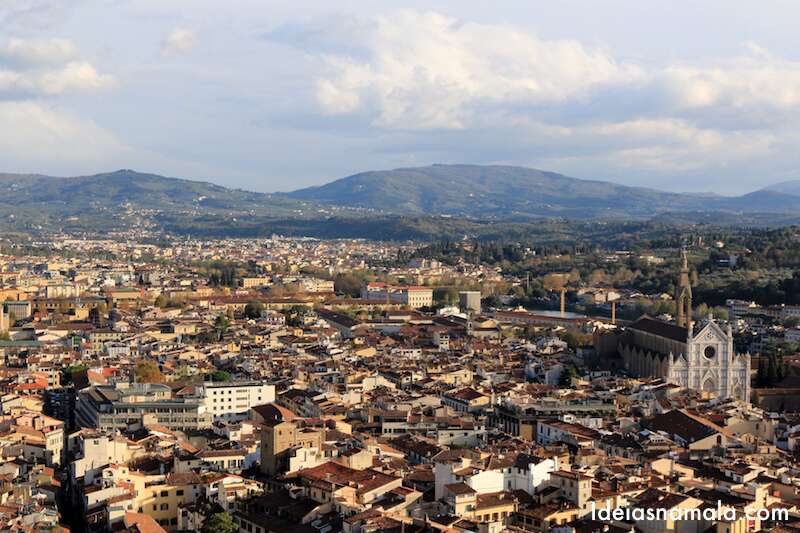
(124, 198)
(761, 201)
(506, 191)
(785, 187)
(128, 187)
(422, 202)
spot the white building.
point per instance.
(700, 358)
(522, 472)
(229, 400)
(411, 296)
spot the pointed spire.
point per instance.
(683, 293)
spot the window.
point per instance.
(179, 493)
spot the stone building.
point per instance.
(696, 356)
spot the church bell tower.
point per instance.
(683, 294)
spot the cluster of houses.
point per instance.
(142, 394)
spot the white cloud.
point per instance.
(460, 88)
(743, 84)
(676, 145)
(52, 136)
(25, 53)
(27, 15)
(32, 74)
(74, 76)
(35, 68)
(421, 70)
(415, 70)
(178, 41)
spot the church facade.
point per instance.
(704, 360)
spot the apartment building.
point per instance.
(550, 432)
(280, 439)
(40, 437)
(231, 400)
(316, 285)
(118, 406)
(411, 296)
(256, 281)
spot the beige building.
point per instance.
(280, 438)
(251, 282)
(408, 295)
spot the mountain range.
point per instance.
(124, 188)
(507, 192)
(482, 194)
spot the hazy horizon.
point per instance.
(263, 96)
(278, 191)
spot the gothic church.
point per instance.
(702, 360)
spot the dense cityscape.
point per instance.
(295, 384)
(399, 266)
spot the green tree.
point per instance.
(445, 295)
(565, 379)
(253, 309)
(148, 372)
(219, 523)
(347, 284)
(219, 375)
(161, 301)
(491, 301)
(721, 313)
(761, 375)
(772, 371)
(221, 325)
(66, 373)
(574, 339)
(792, 322)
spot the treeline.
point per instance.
(772, 292)
(770, 371)
(227, 273)
(449, 252)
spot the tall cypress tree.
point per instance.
(772, 372)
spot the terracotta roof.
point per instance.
(143, 522)
(660, 328)
(460, 489)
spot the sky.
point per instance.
(274, 96)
